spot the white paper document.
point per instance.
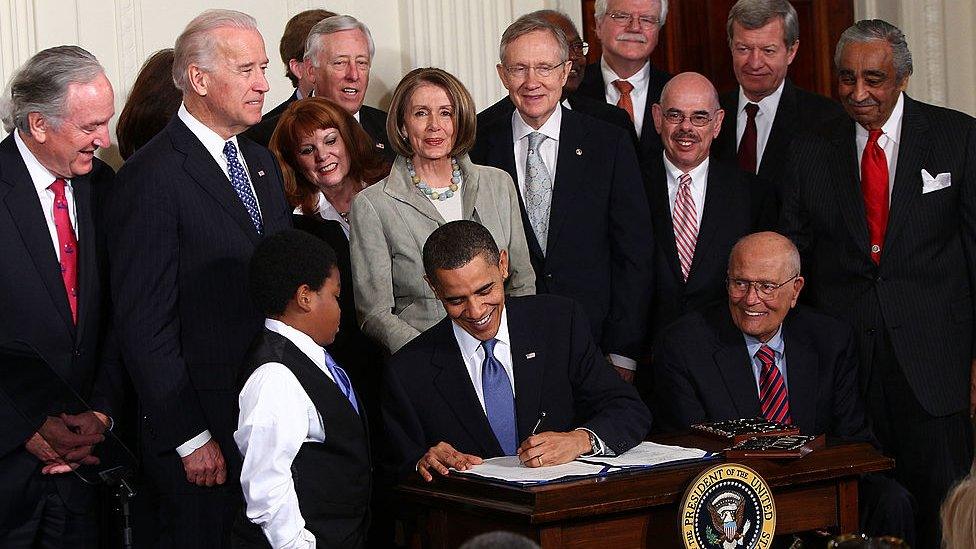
(510, 469)
(645, 454)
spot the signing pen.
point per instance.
(538, 422)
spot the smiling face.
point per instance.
(474, 295)
(760, 58)
(763, 258)
(867, 84)
(342, 71)
(429, 122)
(625, 44)
(535, 97)
(232, 93)
(67, 149)
(323, 159)
(685, 144)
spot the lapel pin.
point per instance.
(380, 146)
(260, 173)
(530, 355)
(579, 152)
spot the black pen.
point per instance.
(538, 422)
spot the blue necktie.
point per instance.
(342, 380)
(499, 400)
(238, 179)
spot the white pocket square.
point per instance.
(930, 183)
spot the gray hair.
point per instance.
(332, 25)
(754, 14)
(196, 45)
(600, 9)
(41, 85)
(499, 539)
(868, 30)
(531, 23)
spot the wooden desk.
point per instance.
(639, 509)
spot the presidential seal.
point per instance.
(728, 506)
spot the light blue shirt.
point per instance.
(778, 346)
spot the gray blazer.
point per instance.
(389, 223)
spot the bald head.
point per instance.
(688, 118)
(769, 247)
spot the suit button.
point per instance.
(869, 331)
(549, 276)
(77, 352)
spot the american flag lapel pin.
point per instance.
(260, 173)
(530, 355)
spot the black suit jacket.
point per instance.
(429, 397)
(179, 246)
(734, 207)
(703, 372)
(600, 240)
(797, 112)
(261, 132)
(921, 294)
(374, 122)
(36, 314)
(594, 87)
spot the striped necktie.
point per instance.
(685, 225)
(774, 400)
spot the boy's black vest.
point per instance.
(332, 478)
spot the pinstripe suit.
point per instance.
(913, 312)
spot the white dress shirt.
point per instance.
(215, 146)
(42, 179)
(276, 418)
(451, 208)
(891, 133)
(699, 184)
(764, 119)
(473, 354)
(328, 212)
(638, 96)
(549, 149)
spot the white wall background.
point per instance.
(460, 36)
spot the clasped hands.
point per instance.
(543, 449)
(65, 442)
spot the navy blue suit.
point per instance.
(179, 245)
(600, 241)
(429, 397)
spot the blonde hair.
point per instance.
(959, 515)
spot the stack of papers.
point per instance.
(643, 456)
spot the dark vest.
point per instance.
(332, 478)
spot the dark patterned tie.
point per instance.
(242, 186)
(774, 400)
(499, 400)
(747, 146)
(67, 245)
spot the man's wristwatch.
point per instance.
(593, 443)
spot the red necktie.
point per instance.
(625, 102)
(874, 187)
(747, 146)
(685, 218)
(774, 401)
(67, 245)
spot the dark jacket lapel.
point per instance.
(454, 384)
(661, 211)
(571, 162)
(87, 260)
(718, 193)
(777, 144)
(528, 360)
(913, 148)
(20, 197)
(261, 178)
(200, 165)
(848, 186)
(801, 375)
(734, 364)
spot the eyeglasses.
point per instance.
(625, 19)
(698, 119)
(739, 287)
(542, 71)
(579, 48)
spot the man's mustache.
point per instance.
(631, 37)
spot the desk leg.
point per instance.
(551, 537)
(848, 521)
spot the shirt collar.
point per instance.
(550, 129)
(892, 127)
(775, 343)
(767, 104)
(469, 344)
(40, 176)
(210, 139)
(639, 79)
(301, 340)
(698, 173)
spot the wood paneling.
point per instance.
(694, 39)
